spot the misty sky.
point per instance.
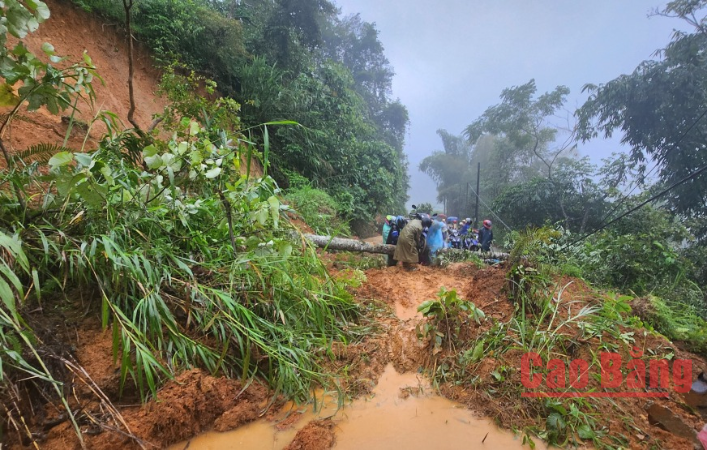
(452, 58)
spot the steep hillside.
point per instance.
(72, 31)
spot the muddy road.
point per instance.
(391, 402)
(398, 407)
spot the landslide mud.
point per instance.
(402, 411)
(393, 405)
(404, 291)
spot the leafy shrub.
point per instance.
(189, 260)
(676, 321)
(182, 30)
(445, 319)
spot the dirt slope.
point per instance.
(72, 31)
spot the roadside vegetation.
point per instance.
(476, 354)
(298, 61)
(636, 223)
(178, 237)
(184, 255)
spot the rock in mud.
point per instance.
(667, 419)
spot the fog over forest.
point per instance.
(453, 60)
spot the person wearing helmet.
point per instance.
(466, 224)
(387, 225)
(485, 236)
(406, 249)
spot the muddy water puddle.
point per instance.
(402, 412)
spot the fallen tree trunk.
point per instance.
(485, 255)
(354, 245)
(350, 245)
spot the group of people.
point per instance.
(409, 242)
(484, 235)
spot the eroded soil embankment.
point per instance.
(192, 403)
(72, 31)
(196, 402)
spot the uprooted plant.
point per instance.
(446, 319)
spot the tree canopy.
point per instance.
(295, 60)
(659, 110)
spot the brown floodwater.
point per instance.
(402, 412)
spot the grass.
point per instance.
(192, 263)
(477, 357)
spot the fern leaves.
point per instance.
(39, 152)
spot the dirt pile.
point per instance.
(195, 402)
(316, 435)
(404, 291)
(491, 386)
(188, 405)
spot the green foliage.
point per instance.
(658, 109)
(446, 318)
(677, 322)
(318, 209)
(570, 198)
(641, 254)
(191, 260)
(426, 208)
(305, 65)
(39, 84)
(217, 111)
(546, 332)
(165, 226)
(187, 31)
(451, 171)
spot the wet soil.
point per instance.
(72, 31)
(395, 407)
(402, 411)
(316, 435)
(188, 405)
(404, 291)
(393, 402)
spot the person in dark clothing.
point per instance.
(485, 236)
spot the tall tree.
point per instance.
(517, 141)
(524, 123)
(660, 109)
(450, 170)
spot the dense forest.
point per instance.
(298, 61)
(175, 250)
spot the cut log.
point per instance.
(349, 245)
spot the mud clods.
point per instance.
(192, 403)
(316, 435)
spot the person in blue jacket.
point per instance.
(435, 237)
(386, 227)
(466, 224)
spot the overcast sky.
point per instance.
(452, 58)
